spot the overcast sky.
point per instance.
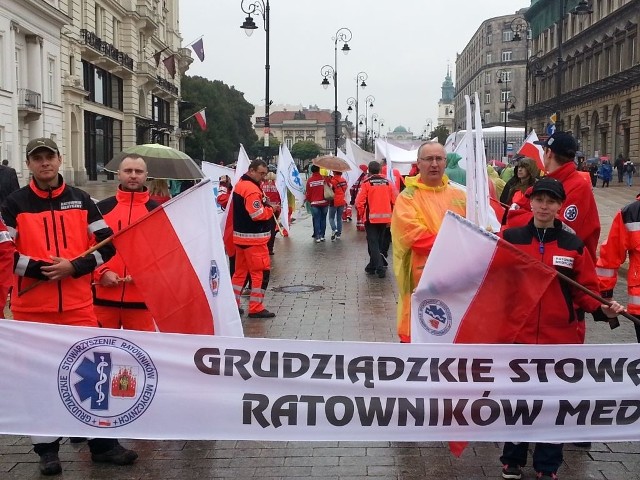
(403, 45)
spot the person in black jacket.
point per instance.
(8, 180)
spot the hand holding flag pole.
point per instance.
(88, 252)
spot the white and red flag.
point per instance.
(465, 293)
(531, 150)
(201, 118)
(176, 258)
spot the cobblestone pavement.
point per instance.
(350, 306)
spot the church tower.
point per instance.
(445, 105)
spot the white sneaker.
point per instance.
(317, 240)
(322, 239)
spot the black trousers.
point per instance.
(547, 457)
(375, 236)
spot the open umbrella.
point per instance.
(162, 162)
(331, 163)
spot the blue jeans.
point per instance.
(629, 176)
(319, 217)
(335, 218)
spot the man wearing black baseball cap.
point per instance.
(579, 210)
(49, 222)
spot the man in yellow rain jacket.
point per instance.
(417, 217)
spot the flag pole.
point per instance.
(160, 51)
(91, 250)
(277, 224)
(602, 300)
(191, 116)
(189, 44)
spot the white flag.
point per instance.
(292, 177)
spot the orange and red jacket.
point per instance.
(252, 217)
(579, 210)
(375, 200)
(119, 212)
(314, 192)
(623, 240)
(555, 319)
(62, 222)
(339, 186)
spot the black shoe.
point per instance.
(50, 463)
(118, 455)
(582, 444)
(262, 314)
(271, 252)
(381, 273)
(241, 310)
(513, 472)
(77, 439)
(370, 271)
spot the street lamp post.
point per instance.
(427, 128)
(260, 7)
(343, 35)
(368, 103)
(374, 121)
(354, 102)
(503, 78)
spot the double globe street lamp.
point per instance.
(343, 35)
(354, 102)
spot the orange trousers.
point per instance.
(253, 260)
(127, 318)
(79, 317)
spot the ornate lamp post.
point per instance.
(260, 7)
(374, 122)
(343, 35)
(354, 102)
(427, 129)
(368, 104)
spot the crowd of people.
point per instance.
(549, 215)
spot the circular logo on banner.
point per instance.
(107, 382)
(294, 181)
(435, 316)
(571, 213)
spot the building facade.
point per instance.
(83, 73)
(446, 103)
(305, 124)
(115, 93)
(492, 55)
(597, 95)
(31, 103)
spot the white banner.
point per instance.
(90, 382)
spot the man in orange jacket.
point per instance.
(252, 223)
(116, 299)
(339, 186)
(375, 205)
(53, 225)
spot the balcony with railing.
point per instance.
(104, 50)
(29, 104)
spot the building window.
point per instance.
(487, 78)
(103, 87)
(51, 80)
(288, 142)
(505, 75)
(100, 21)
(489, 38)
(504, 116)
(115, 25)
(487, 98)
(504, 95)
(2, 70)
(507, 36)
(102, 138)
(17, 59)
(161, 110)
(487, 116)
(506, 56)
(488, 58)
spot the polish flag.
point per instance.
(469, 300)
(531, 150)
(176, 259)
(202, 119)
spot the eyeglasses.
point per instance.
(430, 159)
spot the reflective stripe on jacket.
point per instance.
(375, 200)
(120, 211)
(252, 219)
(62, 222)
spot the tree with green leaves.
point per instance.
(303, 152)
(257, 149)
(441, 133)
(228, 116)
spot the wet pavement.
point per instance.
(347, 305)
